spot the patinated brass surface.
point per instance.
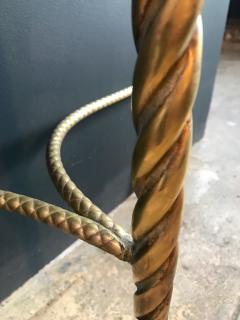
(81, 204)
(88, 222)
(168, 39)
(69, 222)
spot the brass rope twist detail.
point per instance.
(69, 222)
(165, 83)
(166, 77)
(81, 204)
(88, 222)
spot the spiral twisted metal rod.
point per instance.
(169, 44)
(168, 38)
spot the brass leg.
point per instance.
(168, 39)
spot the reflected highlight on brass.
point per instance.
(168, 38)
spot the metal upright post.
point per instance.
(168, 38)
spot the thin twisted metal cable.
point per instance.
(89, 222)
(69, 222)
(81, 204)
(166, 77)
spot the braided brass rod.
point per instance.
(81, 204)
(69, 222)
(89, 223)
(168, 38)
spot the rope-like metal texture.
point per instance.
(168, 39)
(66, 187)
(69, 222)
(89, 223)
(169, 44)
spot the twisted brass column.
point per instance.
(168, 39)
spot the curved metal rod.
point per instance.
(89, 223)
(66, 187)
(166, 77)
(69, 222)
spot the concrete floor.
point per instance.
(84, 283)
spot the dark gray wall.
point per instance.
(234, 10)
(54, 56)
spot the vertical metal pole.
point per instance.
(168, 38)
